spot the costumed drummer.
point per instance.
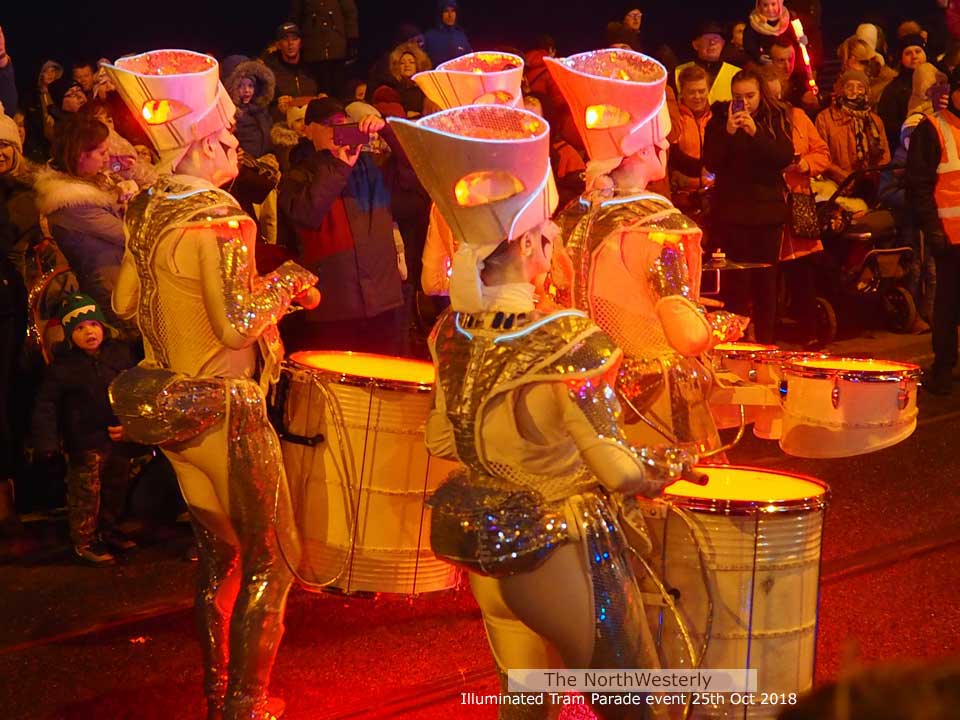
(636, 259)
(212, 347)
(524, 402)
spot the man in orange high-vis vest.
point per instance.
(933, 187)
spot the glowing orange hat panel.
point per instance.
(617, 99)
(480, 78)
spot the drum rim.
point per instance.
(908, 371)
(760, 350)
(752, 507)
(363, 381)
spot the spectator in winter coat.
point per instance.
(770, 21)
(330, 35)
(894, 102)
(748, 150)
(406, 60)
(854, 133)
(335, 213)
(708, 45)
(73, 409)
(84, 210)
(447, 40)
(251, 86)
(295, 84)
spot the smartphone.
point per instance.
(737, 105)
(349, 135)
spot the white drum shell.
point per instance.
(841, 417)
(763, 576)
(359, 495)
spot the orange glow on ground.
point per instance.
(748, 485)
(365, 365)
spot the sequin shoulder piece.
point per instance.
(482, 355)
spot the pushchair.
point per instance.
(866, 262)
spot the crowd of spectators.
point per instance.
(752, 120)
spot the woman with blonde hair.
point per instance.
(857, 54)
(406, 60)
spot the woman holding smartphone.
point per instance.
(748, 148)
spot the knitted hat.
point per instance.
(911, 40)
(76, 309)
(854, 75)
(9, 132)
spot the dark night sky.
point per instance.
(38, 29)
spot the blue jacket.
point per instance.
(444, 43)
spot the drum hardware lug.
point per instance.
(654, 510)
(752, 374)
(903, 397)
(835, 394)
(307, 441)
(784, 389)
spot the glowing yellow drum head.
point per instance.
(734, 489)
(854, 368)
(369, 367)
(737, 347)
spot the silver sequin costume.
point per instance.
(190, 281)
(657, 381)
(522, 401)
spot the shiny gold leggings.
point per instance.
(229, 477)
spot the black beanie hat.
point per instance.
(911, 40)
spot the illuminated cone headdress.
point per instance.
(176, 96)
(487, 168)
(617, 98)
(480, 78)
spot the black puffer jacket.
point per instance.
(73, 403)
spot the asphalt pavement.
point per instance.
(119, 642)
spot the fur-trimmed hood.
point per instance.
(264, 81)
(56, 191)
(282, 135)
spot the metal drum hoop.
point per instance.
(753, 507)
(906, 373)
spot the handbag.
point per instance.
(804, 221)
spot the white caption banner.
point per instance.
(730, 680)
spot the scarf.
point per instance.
(770, 28)
(866, 134)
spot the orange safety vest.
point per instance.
(947, 191)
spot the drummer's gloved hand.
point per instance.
(666, 465)
(727, 326)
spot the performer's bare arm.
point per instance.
(126, 293)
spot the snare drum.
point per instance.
(353, 446)
(743, 361)
(841, 407)
(741, 556)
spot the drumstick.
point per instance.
(697, 478)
